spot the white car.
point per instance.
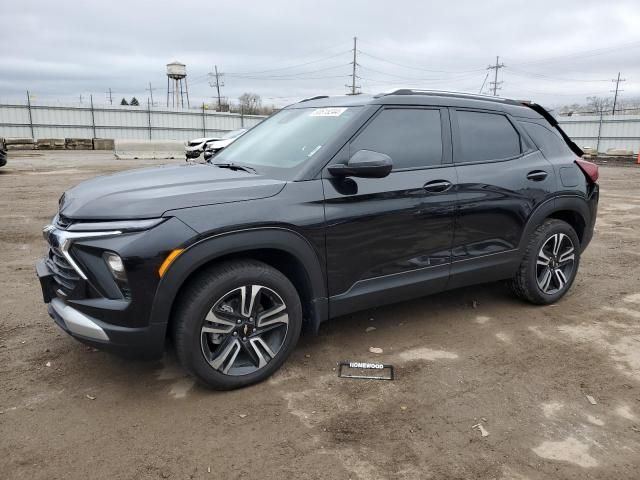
(199, 145)
(214, 147)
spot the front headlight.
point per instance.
(116, 225)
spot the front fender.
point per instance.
(208, 249)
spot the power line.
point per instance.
(615, 97)
(582, 54)
(483, 82)
(495, 82)
(413, 67)
(288, 75)
(291, 66)
(522, 73)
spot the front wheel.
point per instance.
(550, 264)
(236, 324)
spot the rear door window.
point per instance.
(412, 137)
(486, 136)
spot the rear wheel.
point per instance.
(550, 264)
(236, 324)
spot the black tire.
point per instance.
(526, 284)
(205, 292)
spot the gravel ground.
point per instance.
(463, 358)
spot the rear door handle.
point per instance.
(437, 186)
(537, 175)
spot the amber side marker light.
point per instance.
(169, 260)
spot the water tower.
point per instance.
(177, 87)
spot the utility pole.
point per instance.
(495, 84)
(110, 98)
(218, 82)
(80, 98)
(150, 90)
(615, 97)
(353, 87)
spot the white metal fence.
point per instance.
(159, 123)
(117, 122)
(604, 132)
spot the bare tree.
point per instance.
(250, 103)
(600, 104)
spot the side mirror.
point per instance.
(364, 164)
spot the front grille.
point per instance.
(63, 273)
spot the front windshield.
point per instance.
(288, 138)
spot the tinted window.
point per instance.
(486, 136)
(548, 141)
(411, 137)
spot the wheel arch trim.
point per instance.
(210, 248)
(572, 203)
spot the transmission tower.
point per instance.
(354, 89)
(495, 85)
(617, 90)
(216, 79)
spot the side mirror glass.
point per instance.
(364, 164)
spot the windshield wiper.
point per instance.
(235, 166)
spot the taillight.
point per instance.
(589, 169)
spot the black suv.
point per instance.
(330, 206)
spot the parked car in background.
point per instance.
(3, 156)
(213, 148)
(328, 207)
(198, 145)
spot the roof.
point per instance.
(408, 96)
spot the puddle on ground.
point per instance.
(570, 450)
(424, 353)
(551, 408)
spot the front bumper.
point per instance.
(134, 342)
(193, 153)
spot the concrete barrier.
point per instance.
(20, 144)
(149, 149)
(50, 143)
(78, 144)
(103, 144)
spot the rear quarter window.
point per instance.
(550, 143)
(486, 136)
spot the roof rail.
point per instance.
(313, 98)
(417, 91)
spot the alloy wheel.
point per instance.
(555, 263)
(244, 330)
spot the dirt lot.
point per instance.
(468, 357)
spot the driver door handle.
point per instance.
(437, 186)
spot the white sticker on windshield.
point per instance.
(327, 112)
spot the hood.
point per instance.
(149, 192)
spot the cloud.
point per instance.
(286, 50)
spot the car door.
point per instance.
(389, 239)
(502, 178)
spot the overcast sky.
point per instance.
(555, 52)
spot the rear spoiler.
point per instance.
(551, 119)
